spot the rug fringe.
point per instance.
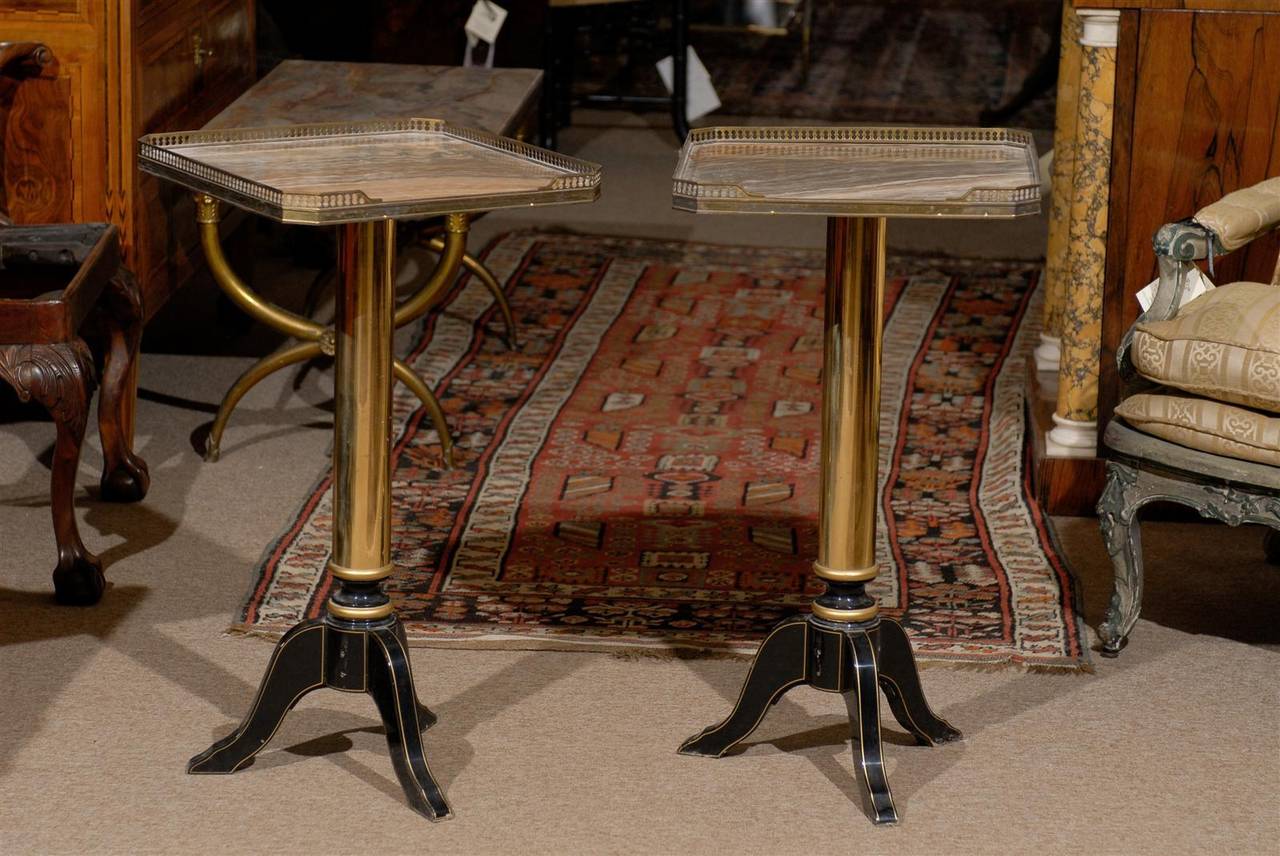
(665, 651)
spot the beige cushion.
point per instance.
(1239, 217)
(1209, 426)
(1225, 344)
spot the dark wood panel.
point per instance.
(1190, 5)
(228, 71)
(1067, 486)
(168, 78)
(1205, 121)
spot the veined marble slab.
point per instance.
(351, 172)
(859, 170)
(298, 92)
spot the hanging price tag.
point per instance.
(700, 96)
(485, 21)
(1196, 284)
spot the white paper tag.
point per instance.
(485, 21)
(701, 96)
(1197, 284)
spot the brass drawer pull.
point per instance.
(199, 52)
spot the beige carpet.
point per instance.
(1173, 748)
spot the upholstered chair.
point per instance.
(1200, 424)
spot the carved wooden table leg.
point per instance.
(60, 378)
(119, 328)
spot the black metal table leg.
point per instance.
(844, 645)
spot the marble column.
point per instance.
(1062, 173)
(1075, 420)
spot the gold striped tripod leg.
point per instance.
(359, 645)
(844, 646)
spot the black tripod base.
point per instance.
(346, 656)
(853, 660)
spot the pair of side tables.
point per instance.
(364, 177)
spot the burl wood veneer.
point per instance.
(121, 68)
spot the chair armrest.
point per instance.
(1239, 217)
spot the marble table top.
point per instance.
(298, 92)
(859, 170)
(360, 171)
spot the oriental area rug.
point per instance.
(641, 472)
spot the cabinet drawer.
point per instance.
(191, 66)
(228, 34)
(168, 77)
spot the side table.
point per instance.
(856, 177)
(364, 177)
(297, 92)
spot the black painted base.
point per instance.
(849, 659)
(346, 656)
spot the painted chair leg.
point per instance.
(124, 475)
(1117, 515)
(60, 378)
(1271, 545)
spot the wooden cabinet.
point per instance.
(122, 68)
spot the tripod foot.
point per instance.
(295, 670)
(347, 656)
(779, 666)
(864, 710)
(855, 660)
(391, 685)
(900, 681)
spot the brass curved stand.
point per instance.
(318, 339)
(477, 269)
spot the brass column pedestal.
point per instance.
(359, 646)
(844, 645)
(856, 176)
(362, 177)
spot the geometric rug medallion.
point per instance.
(642, 472)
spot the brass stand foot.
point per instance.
(418, 387)
(849, 659)
(350, 656)
(477, 269)
(251, 377)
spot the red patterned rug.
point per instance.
(643, 471)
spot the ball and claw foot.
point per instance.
(854, 661)
(353, 658)
(128, 482)
(78, 579)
